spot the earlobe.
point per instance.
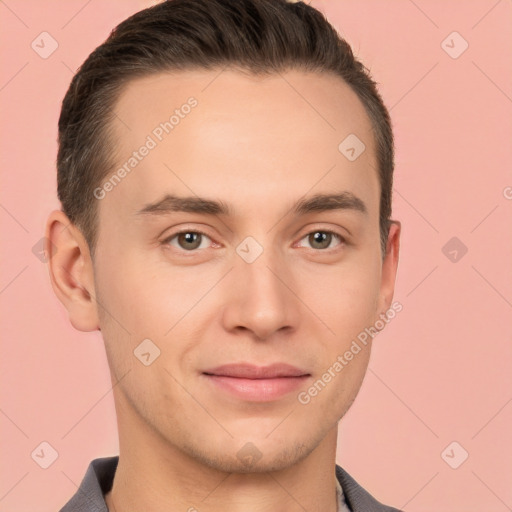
(71, 271)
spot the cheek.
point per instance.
(141, 300)
(136, 294)
(128, 309)
(344, 298)
(138, 307)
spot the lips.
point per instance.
(249, 371)
(252, 383)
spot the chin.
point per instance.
(259, 456)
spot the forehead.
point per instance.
(325, 101)
(225, 133)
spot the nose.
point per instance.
(260, 297)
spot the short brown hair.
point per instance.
(259, 36)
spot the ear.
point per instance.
(389, 267)
(71, 271)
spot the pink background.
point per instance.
(440, 371)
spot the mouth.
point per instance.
(257, 383)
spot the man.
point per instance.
(248, 131)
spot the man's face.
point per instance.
(264, 284)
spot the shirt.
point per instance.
(99, 478)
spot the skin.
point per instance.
(260, 147)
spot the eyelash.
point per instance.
(341, 239)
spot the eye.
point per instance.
(321, 239)
(187, 240)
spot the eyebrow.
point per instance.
(318, 203)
